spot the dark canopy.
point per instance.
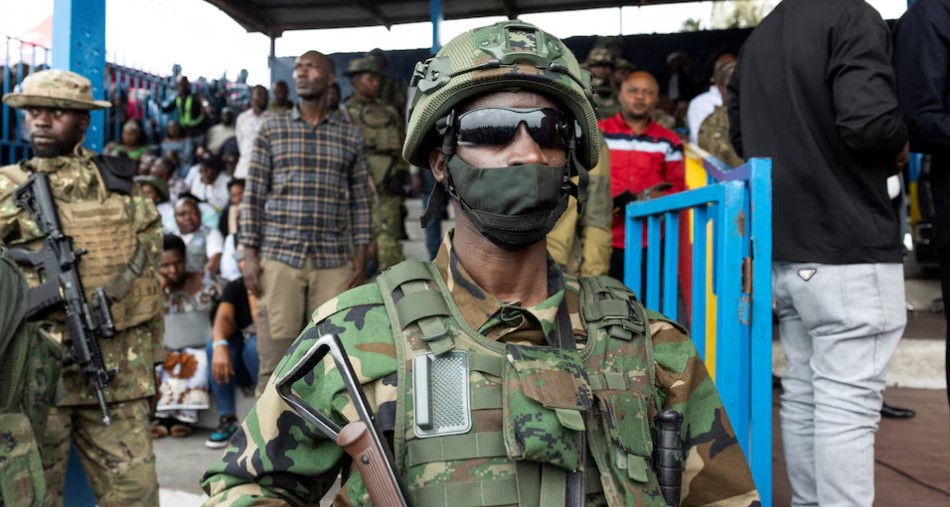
(273, 17)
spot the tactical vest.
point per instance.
(184, 114)
(104, 229)
(381, 135)
(530, 426)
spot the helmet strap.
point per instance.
(579, 191)
(438, 196)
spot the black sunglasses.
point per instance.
(497, 126)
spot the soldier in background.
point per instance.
(104, 212)
(383, 135)
(580, 242)
(714, 131)
(29, 373)
(392, 91)
(600, 63)
(543, 381)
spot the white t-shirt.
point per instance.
(215, 194)
(245, 130)
(700, 108)
(214, 244)
(229, 265)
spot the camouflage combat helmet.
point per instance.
(508, 54)
(599, 56)
(361, 65)
(56, 89)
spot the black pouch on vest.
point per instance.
(117, 173)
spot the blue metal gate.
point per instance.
(734, 304)
(20, 58)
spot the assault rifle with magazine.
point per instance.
(57, 264)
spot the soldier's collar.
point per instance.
(54, 164)
(476, 305)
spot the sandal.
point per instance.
(160, 428)
(181, 430)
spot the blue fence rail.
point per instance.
(738, 205)
(20, 58)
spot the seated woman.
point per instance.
(232, 354)
(131, 144)
(183, 377)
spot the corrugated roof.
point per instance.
(273, 17)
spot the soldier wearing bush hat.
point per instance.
(107, 214)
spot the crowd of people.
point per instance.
(267, 214)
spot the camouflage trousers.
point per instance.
(388, 215)
(118, 459)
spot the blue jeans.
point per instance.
(433, 228)
(839, 326)
(243, 354)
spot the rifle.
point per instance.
(361, 439)
(58, 264)
(669, 455)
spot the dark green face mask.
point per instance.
(512, 206)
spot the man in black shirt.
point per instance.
(814, 90)
(921, 56)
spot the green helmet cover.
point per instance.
(506, 55)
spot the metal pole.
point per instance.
(435, 14)
(272, 60)
(79, 45)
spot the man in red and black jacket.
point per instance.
(646, 158)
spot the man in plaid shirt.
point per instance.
(305, 223)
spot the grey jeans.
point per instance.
(839, 326)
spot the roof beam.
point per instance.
(373, 11)
(245, 14)
(511, 8)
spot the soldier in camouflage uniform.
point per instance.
(392, 91)
(104, 212)
(580, 242)
(561, 377)
(714, 131)
(600, 63)
(29, 377)
(383, 135)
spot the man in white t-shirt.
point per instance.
(204, 244)
(705, 103)
(211, 185)
(248, 124)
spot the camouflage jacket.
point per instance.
(714, 137)
(580, 243)
(393, 91)
(383, 136)
(276, 458)
(133, 351)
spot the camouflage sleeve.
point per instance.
(597, 219)
(15, 225)
(716, 470)
(276, 456)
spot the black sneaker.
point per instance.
(219, 438)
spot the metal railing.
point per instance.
(20, 58)
(729, 238)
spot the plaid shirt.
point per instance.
(308, 192)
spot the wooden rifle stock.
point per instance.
(355, 438)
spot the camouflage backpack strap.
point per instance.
(419, 303)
